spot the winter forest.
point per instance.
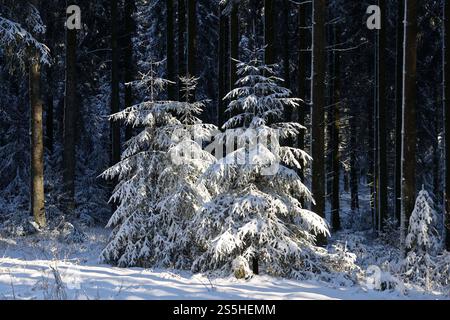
(224, 149)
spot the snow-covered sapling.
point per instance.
(156, 193)
(255, 214)
(422, 235)
(422, 241)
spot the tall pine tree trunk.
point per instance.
(269, 33)
(437, 190)
(181, 44)
(70, 115)
(286, 50)
(37, 140)
(409, 116)
(170, 36)
(398, 108)
(382, 175)
(354, 150)
(371, 176)
(223, 26)
(234, 44)
(447, 121)
(128, 61)
(286, 61)
(192, 40)
(50, 103)
(336, 163)
(354, 172)
(318, 105)
(329, 114)
(374, 132)
(115, 129)
(303, 63)
(50, 136)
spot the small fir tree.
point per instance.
(156, 190)
(422, 241)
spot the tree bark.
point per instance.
(371, 173)
(382, 176)
(49, 116)
(398, 112)
(37, 140)
(286, 51)
(355, 146)
(269, 32)
(234, 44)
(170, 38)
(447, 121)
(222, 63)
(192, 39)
(50, 104)
(128, 57)
(181, 44)
(303, 58)
(437, 190)
(318, 105)
(115, 128)
(286, 61)
(329, 115)
(354, 176)
(335, 205)
(70, 115)
(409, 116)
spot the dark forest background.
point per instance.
(356, 99)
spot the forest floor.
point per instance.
(42, 267)
(45, 266)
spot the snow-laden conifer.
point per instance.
(255, 211)
(422, 234)
(156, 193)
(422, 240)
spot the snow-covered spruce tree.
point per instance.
(422, 240)
(156, 191)
(254, 216)
(422, 235)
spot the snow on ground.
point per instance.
(44, 268)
